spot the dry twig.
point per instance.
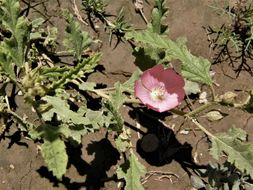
(77, 13)
(139, 8)
(161, 175)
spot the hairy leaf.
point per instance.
(117, 97)
(191, 87)
(19, 27)
(54, 154)
(159, 13)
(75, 39)
(86, 66)
(128, 86)
(61, 108)
(5, 63)
(73, 132)
(132, 170)
(215, 115)
(239, 153)
(193, 68)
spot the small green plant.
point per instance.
(233, 41)
(48, 88)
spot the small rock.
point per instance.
(12, 166)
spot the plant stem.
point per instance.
(201, 108)
(19, 119)
(201, 127)
(213, 92)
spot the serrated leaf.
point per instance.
(6, 63)
(75, 132)
(115, 119)
(193, 68)
(54, 154)
(122, 144)
(61, 108)
(238, 152)
(191, 87)
(214, 115)
(19, 27)
(159, 13)
(132, 171)
(75, 39)
(96, 119)
(87, 86)
(37, 22)
(128, 86)
(51, 36)
(117, 97)
(86, 66)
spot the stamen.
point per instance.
(158, 93)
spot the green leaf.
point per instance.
(128, 86)
(193, 68)
(86, 66)
(117, 97)
(6, 65)
(87, 86)
(215, 115)
(54, 154)
(75, 39)
(238, 152)
(19, 27)
(10, 13)
(115, 119)
(95, 118)
(159, 13)
(61, 108)
(191, 87)
(74, 132)
(132, 170)
(123, 140)
(51, 36)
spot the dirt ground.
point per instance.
(92, 165)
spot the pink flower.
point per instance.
(159, 89)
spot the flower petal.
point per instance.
(158, 77)
(170, 102)
(141, 92)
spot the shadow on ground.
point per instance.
(159, 145)
(105, 156)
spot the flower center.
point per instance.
(158, 93)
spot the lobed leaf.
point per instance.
(86, 66)
(75, 39)
(132, 170)
(61, 108)
(20, 29)
(239, 153)
(159, 13)
(54, 154)
(193, 68)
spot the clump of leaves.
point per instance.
(94, 7)
(233, 41)
(221, 176)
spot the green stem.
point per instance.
(19, 119)
(102, 93)
(201, 127)
(201, 108)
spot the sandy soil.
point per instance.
(92, 165)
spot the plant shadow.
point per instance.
(159, 145)
(105, 156)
